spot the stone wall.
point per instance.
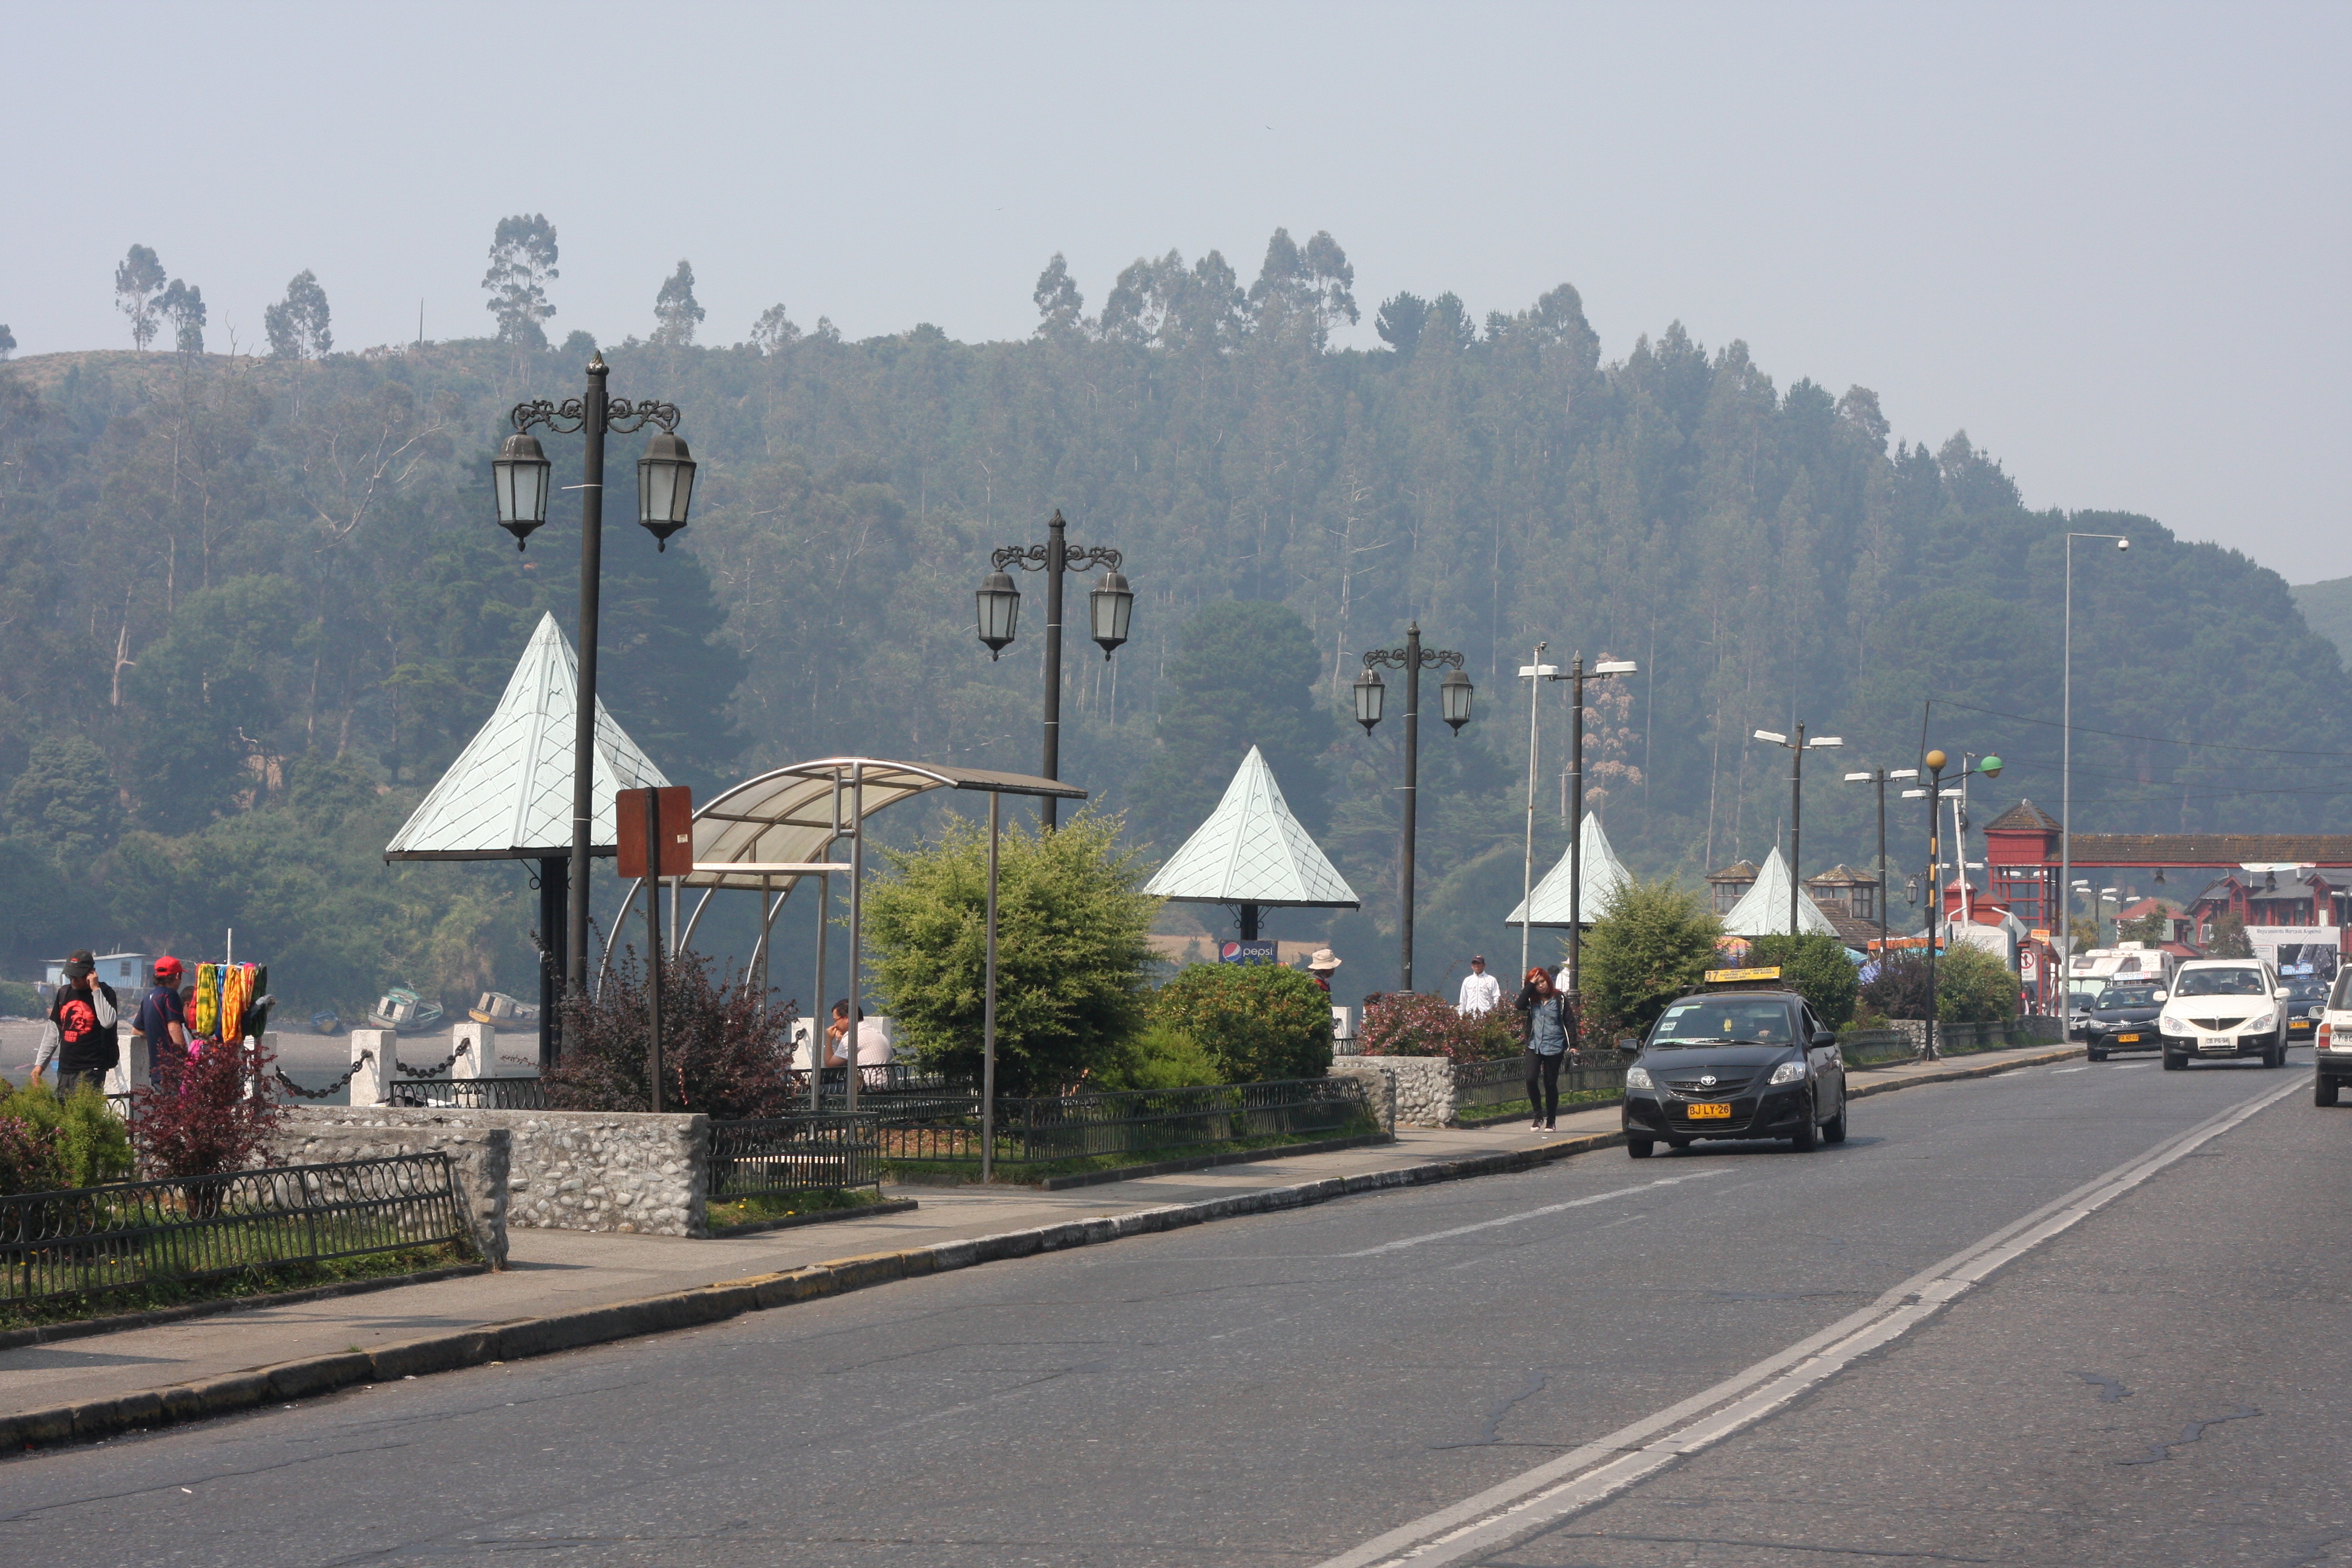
(1423, 1086)
(481, 1155)
(619, 1171)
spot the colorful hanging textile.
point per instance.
(204, 1019)
(237, 990)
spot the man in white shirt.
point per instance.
(1481, 992)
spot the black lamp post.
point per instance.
(1109, 606)
(1879, 776)
(664, 491)
(1454, 694)
(1797, 749)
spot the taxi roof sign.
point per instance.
(1739, 976)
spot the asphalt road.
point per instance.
(1283, 1389)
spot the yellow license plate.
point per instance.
(1716, 1113)
(2127, 1039)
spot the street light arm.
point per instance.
(1075, 557)
(569, 417)
(1399, 659)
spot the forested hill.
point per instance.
(251, 607)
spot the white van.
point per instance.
(2219, 1009)
(2332, 1055)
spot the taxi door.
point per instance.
(1829, 1068)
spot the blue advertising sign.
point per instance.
(1248, 953)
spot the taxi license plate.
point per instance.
(1712, 1112)
(2127, 1039)
(2215, 1043)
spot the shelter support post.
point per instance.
(653, 883)
(988, 1016)
(857, 928)
(824, 1009)
(1249, 922)
(554, 878)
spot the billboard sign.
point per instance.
(1247, 952)
(2299, 952)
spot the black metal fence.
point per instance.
(942, 1129)
(1482, 1089)
(1877, 1048)
(825, 1151)
(1890, 1047)
(469, 1093)
(83, 1240)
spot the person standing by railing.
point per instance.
(163, 1018)
(82, 1033)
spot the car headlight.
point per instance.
(1789, 1072)
(1638, 1077)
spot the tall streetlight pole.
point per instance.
(665, 490)
(1879, 776)
(1110, 605)
(1797, 749)
(1534, 673)
(2067, 770)
(1935, 794)
(1578, 676)
(1454, 699)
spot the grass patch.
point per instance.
(786, 1206)
(939, 1172)
(257, 1279)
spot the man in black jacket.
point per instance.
(81, 1032)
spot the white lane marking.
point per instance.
(2127, 1067)
(1530, 1213)
(2055, 1071)
(1539, 1498)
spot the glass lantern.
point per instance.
(518, 474)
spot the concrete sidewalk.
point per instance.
(569, 1275)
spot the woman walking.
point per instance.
(1551, 1035)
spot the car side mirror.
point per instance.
(1631, 1047)
(1825, 1038)
(2282, 994)
(2164, 995)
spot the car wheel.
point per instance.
(2323, 1091)
(1808, 1136)
(1834, 1130)
(1640, 1148)
(2275, 1055)
(2173, 1061)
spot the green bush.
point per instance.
(1817, 969)
(1972, 987)
(1161, 1056)
(47, 1142)
(1071, 921)
(19, 1000)
(1259, 1021)
(1653, 942)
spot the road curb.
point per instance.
(82, 1328)
(524, 1337)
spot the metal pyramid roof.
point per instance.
(1252, 851)
(508, 793)
(1603, 875)
(1763, 909)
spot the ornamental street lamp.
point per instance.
(1455, 694)
(1578, 675)
(1797, 749)
(2066, 756)
(519, 477)
(1879, 776)
(1109, 607)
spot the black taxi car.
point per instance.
(1744, 1059)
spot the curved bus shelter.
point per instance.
(765, 835)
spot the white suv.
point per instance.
(2223, 1008)
(2332, 1057)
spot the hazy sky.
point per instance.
(2108, 240)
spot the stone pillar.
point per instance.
(372, 1083)
(476, 1048)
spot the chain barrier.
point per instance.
(290, 1087)
(465, 1048)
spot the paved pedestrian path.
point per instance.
(556, 1271)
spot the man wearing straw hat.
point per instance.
(1322, 966)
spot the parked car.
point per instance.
(2224, 1008)
(2123, 1018)
(2332, 1045)
(1744, 1063)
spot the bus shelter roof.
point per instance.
(768, 832)
(1251, 850)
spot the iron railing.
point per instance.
(83, 1240)
(469, 1093)
(821, 1153)
(1877, 1048)
(945, 1127)
(1479, 1086)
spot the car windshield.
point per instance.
(2220, 983)
(1703, 1021)
(2128, 996)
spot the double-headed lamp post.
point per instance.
(1578, 675)
(1879, 777)
(1797, 750)
(665, 490)
(1109, 607)
(1453, 695)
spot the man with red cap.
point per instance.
(162, 1017)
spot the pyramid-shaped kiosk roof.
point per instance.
(1603, 875)
(508, 793)
(1252, 851)
(1763, 911)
